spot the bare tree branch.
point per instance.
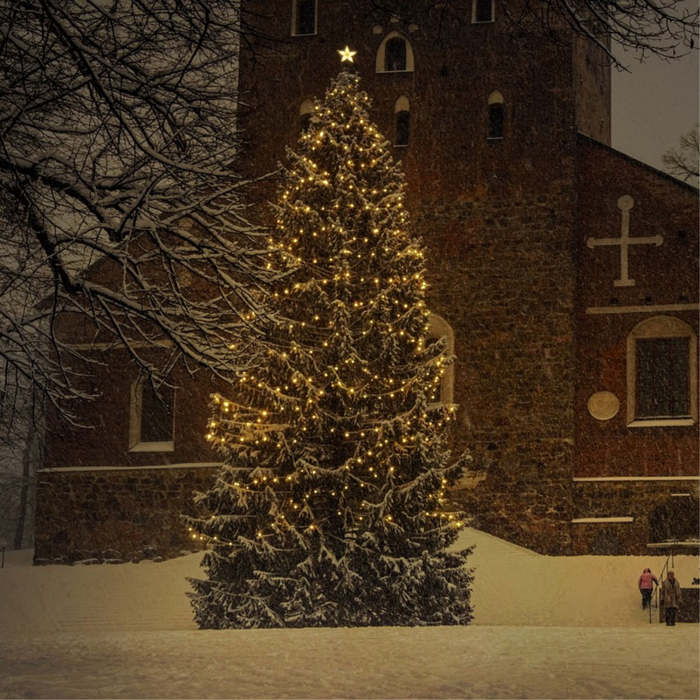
(118, 200)
(683, 161)
(663, 28)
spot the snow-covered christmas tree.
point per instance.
(331, 507)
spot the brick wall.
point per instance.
(665, 284)
(106, 441)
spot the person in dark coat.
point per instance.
(671, 597)
(646, 585)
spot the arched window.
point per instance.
(662, 373)
(305, 112)
(394, 54)
(497, 114)
(403, 126)
(151, 418)
(482, 11)
(303, 17)
(439, 328)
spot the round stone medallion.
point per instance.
(625, 202)
(603, 405)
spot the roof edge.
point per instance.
(636, 161)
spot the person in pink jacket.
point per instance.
(646, 585)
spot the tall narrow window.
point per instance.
(303, 17)
(440, 329)
(403, 123)
(305, 112)
(394, 54)
(151, 418)
(661, 373)
(482, 11)
(496, 115)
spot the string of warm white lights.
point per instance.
(340, 434)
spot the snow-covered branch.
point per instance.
(118, 197)
(664, 28)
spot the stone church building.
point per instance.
(564, 276)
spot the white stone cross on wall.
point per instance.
(624, 204)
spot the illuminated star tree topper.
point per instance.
(347, 55)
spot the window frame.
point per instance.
(660, 327)
(402, 106)
(295, 15)
(496, 99)
(475, 4)
(136, 421)
(380, 60)
(439, 328)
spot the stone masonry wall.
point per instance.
(115, 515)
(658, 515)
(500, 272)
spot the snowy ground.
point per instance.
(545, 627)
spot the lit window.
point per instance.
(496, 115)
(151, 418)
(303, 17)
(403, 126)
(482, 11)
(394, 55)
(661, 373)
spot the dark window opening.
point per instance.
(395, 54)
(156, 414)
(662, 388)
(402, 128)
(305, 17)
(483, 11)
(496, 119)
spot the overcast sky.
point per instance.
(653, 105)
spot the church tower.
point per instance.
(485, 122)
